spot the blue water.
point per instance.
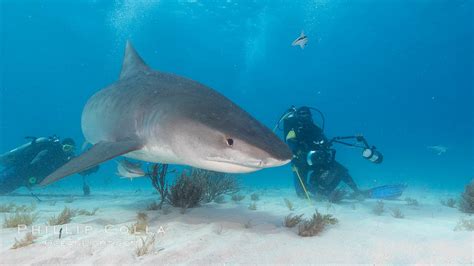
(399, 72)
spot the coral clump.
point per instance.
(237, 197)
(253, 206)
(141, 225)
(187, 192)
(146, 245)
(157, 174)
(19, 218)
(86, 212)
(254, 197)
(289, 204)
(316, 224)
(466, 203)
(215, 184)
(27, 240)
(337, 195)
(219, 199)
(64, 217)
(378, 208)
(69, 199)
(10, 207)
(25, 208)
(153, 206)
(411, 201)
(190, 190)
(292, 220)
(397, 213)
(465, 225)
(450, 202)
(248, 224)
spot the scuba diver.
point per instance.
(30, 163)
(314, 164)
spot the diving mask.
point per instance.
(68, 147)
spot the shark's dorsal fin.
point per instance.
(302, 34)
(132, 62)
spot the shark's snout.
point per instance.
(273, 151)
(268, 152)
(280, 154)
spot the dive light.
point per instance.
(372, 155)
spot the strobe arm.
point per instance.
(357, 138)
(368, 152)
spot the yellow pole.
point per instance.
(302, 185)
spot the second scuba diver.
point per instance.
(30, 163)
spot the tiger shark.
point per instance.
(165, 118)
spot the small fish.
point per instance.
(440, 150)
(128, 169)
(301, 41)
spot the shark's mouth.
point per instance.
(252, 164)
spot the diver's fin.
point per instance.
(100, 152)
(387, 191)
(132, 62)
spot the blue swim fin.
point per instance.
(386, 192)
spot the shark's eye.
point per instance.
(230, 141)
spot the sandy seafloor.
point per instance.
(216, 233)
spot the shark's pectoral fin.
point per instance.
(99, 153)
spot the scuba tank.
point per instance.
(25, 151)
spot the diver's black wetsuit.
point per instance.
(31, 163)
(319, 172)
